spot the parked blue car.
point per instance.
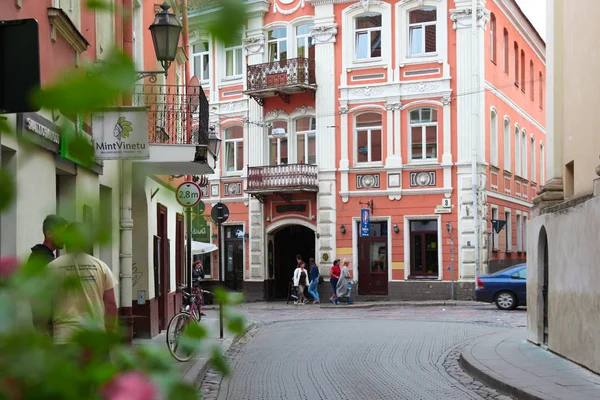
(506, 288)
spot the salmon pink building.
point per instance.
(425, 112)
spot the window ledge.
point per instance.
(367, 165)
(232, 78)
(367, 64)
(62, 24)
(424, 163)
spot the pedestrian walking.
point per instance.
(344, 284)
(334, 276)
(301, 282)
(53, 229)
(94, 304)
(313, 287)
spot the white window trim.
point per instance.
(193, 57)
(278, 41)
(235, 151)
(422, 25)
(287, 137)
(306, 37)
(407, 254)
(542, 161)
(403, 38)
(533, 169)
(524, 219)
(507, 133)
(234, 77)
(495, 235)
(423, 133)
(369, 32)
(348, 20)
(494, 139)
(524, 157)
(297, 134)
(369, 129)
(517, 134)
(508, 228)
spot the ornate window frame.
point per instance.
(228, 125)
(403, 8)
(439, 112)
(356, 112)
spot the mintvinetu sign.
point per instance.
(121, 134)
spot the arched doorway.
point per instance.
(543, 275)
(282, 247)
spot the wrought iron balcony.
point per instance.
(287, 178)
(177, 114)
(281, 78)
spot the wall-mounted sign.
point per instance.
(39, 130)
(365, 222)
(442, 210)
(121, 134)
(447, 203)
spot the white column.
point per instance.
(324, 32)
(554, 91)
(344, 162)
(447, 155)
(470, 129)
(398, 132)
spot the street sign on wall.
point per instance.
(188, 194)
(365, 222)
(121, 134)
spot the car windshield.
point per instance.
(505, 270)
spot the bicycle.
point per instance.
(191, 311)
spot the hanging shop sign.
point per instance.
(121, 134)
(365, 222)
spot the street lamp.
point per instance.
(214, 144)
(165, 31)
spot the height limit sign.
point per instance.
(188, 194)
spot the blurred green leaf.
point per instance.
(99, 5)
(84, 91)
(195, 331)
(218, 361)
(99, 342)
(4, 126)
(182, 391)
(229, 21)
(236, 323)
(7, 189)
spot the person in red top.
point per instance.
(334, 275)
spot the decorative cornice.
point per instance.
(393, 106)
(180, 56)
(198, 34)
(446, 100)
(304, 110)
(344, 110)
(366, 4)
(324, 33)
(287, 11)
(61, 23)
(276, 114)
(462, 17)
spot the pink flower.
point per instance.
(131, 385)
(8, 265)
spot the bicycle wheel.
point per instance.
(174, 333)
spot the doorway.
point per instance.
(234, 257)
(424, 249)
(164, 266)
(545, 273)
(373, 260)
(283, 247)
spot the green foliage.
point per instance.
(7, 189)
(228, 21)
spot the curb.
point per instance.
(474, 368)
(367, 304)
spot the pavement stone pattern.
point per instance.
(382, 353)
(509, 362)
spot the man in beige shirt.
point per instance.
(93, 306)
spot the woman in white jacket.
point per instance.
(301, 281)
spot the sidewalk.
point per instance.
(193, 371)
(510, 364)
(281, 305)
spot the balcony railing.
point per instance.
(177, 114)
(282, 178)
(281, 77)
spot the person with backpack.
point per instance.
(313, 287)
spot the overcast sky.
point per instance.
(535, 10)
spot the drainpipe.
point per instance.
(475, 137)
(126, 222)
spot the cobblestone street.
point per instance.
(378, 353)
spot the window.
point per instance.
(493, 38)
(517, 151)
(531, 77)
(234, 59)
(524, 155)
(368, 138)
(506, 144)
(277, 42)
(522, 70)
(422, 31)
(505, 50)
(278, 143)
(519, 234)
(423, 134)
(494, 138)
(542, 166)
(494, 233)
(532, 161)
(541, 90)
(508, 231)
(201, 57)
(234, 149)
(516, 64)
(368, 37)
(306, 134)
(304, 42)
(520, 274)
(524, 233)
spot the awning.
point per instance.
(202, 248)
